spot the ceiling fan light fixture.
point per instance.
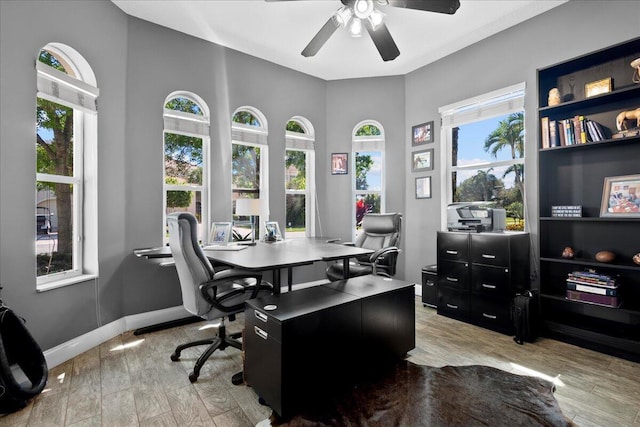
(355, 28)
(363, 8)
(375, 19)
(343, 16)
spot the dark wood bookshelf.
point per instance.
(574, 175)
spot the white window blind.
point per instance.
(248, 134)
(497, 103)
(298, 141)
(59, 87)
(185, 123)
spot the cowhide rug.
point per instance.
(415, 395)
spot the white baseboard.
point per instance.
(70, 349)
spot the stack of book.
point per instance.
(575, 130)
(593, 288)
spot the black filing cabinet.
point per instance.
(430, 286)
(479, 274)
(305, 344)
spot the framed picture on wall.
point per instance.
(220, 233)
(423, 187)
(339, 164)
(422, 160)
(422, 133)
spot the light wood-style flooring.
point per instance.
(130, 380)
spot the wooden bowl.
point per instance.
(605, 256)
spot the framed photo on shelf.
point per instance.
(423, 187)
(220, 233)
(339, 163)
(422, 160)
(422, 133)
(621, 196)
(272, 231)
(598, 87)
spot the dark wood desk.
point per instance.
(275, 256)
(303, 345)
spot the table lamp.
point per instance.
(250, 208)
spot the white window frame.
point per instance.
(499, 102)
(193, 125)
(79, 93)
(295, 141)
(374, 143)
(255, 136)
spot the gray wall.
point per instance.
(137, 64)
(510, 57)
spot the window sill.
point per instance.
(65, 282)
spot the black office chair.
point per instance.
(380, 232)
(206, 292)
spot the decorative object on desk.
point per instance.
(423, 187)
(621, 119)
(272, 231)
(636, 258)
(635, 64)
(220, 233)
(570, 211)
(250, 208)
(568, 253)
(422, 133)
(339, 163)
(605, 256)
(598, 87)
(621, 196)
(554, 97)
(422, 160)
(448, 395)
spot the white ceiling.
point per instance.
(277, 31)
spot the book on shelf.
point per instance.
(545, 131)
(605, 300)
(592, 289)
(553, 134)
(592, 278)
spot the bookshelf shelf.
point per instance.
(575, 175)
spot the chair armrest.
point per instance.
(348, 243)
(236, 278)
(382, 252)
(333, 240)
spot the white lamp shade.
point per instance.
(248, 207)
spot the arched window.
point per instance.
(186, 146)
(299, 178)
(66, 167)
(368, 167)
(249, 169)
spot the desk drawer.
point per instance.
(489, 280)
(490, 249)
(453, 302)
(453, 247)
(493, 313)
(262, 320)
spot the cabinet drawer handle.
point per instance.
(490, 316)
(430, 283)
(260, 316)
(455, 307)
(488, 256)
(452, 252)
(259, 332)
(487, 286)
(452, 279)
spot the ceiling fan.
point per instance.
(355, 14)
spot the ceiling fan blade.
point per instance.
(321, 37)
(439, 6)
(384, 42)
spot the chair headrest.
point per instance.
(381, 223)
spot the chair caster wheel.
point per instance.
(175, 357)
(237, 379)
(193, 377)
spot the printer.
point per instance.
(475, 216)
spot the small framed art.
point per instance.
(423, 187)
(621, 196)
(272, 231)
(339, 163)
(422, 133)
(597, 88)
(422, 160)
(220, 233)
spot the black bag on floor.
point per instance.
(524, 312)
(23, 368)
